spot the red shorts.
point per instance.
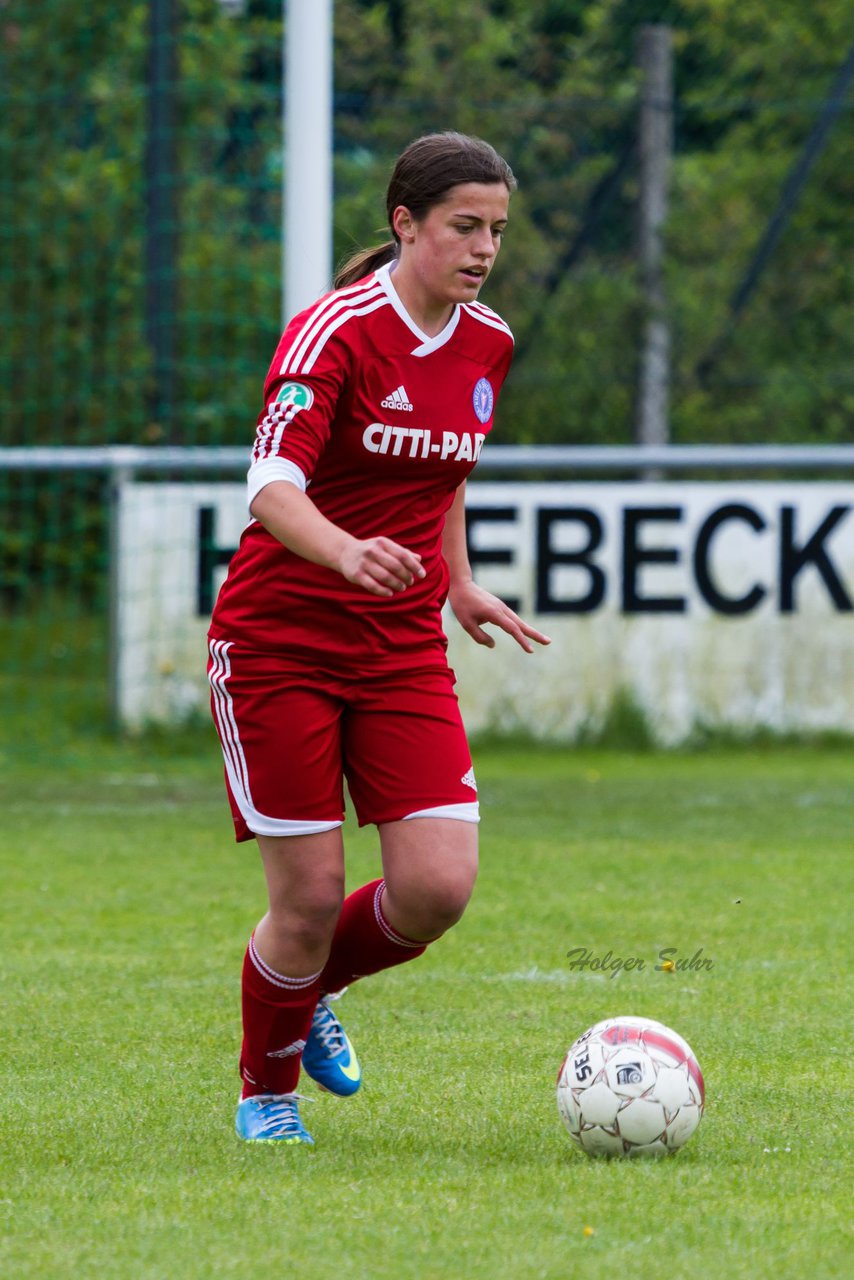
(290, 736)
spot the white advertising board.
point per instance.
(727, 604)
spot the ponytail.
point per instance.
(361, 264)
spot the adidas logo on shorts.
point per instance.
(468, 780)
(398, 399)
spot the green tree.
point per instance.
(552, 83)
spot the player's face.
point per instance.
(446, 256)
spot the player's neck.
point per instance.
(429, 313)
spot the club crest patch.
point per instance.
(483, 399)
(295, 393)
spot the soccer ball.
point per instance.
(629, 1087)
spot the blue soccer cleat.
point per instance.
(329, 1057)
(271, 1117)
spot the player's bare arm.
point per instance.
(378, 565)
(473, 606)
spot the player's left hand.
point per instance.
(473, 607)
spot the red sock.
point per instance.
(277, 1013)
(364, 941)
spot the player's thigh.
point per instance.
(430, 866)
(406, 755)
(280, 733)
(304, 874)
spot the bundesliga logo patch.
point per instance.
(295, 393)
(483, 399)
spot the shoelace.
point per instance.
(329, 1031)
(279, 1115)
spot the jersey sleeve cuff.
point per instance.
(269, 469)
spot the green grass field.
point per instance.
(126, 909)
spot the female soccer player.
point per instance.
(327, 654)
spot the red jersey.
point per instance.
(380, 423)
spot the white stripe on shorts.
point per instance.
(260, 824)
(469, 811)
(229, 736)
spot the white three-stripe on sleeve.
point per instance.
(271, 428)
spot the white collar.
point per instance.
(426, 343)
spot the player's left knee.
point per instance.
(442, 901)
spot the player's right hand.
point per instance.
(380, 566)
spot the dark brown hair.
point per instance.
(424, 174)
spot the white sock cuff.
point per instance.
(279, 979)
(384, 924)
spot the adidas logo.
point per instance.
(468, 780)
(398, 400)
(296, 1047)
